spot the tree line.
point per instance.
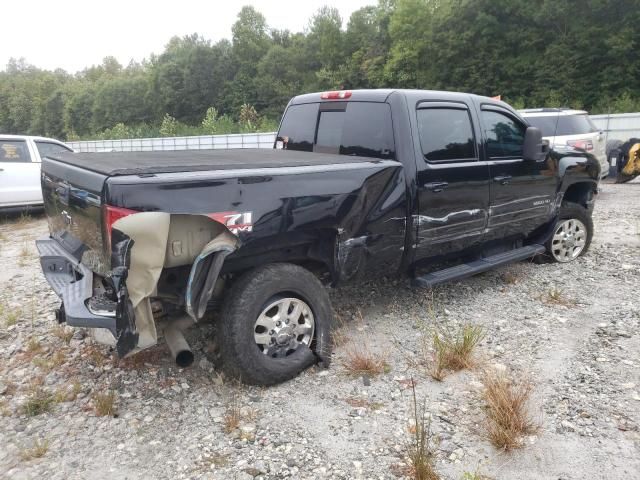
(577, 53)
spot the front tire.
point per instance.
(572, 234)
(276, 322)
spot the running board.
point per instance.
(467, 269)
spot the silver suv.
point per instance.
(569, 128)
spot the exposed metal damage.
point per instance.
(145, 243)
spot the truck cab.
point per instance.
(470, 188)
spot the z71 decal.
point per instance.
(236, 222)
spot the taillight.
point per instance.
(112, 215)
(581, 144)
(337, 95)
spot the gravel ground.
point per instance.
(581, 350)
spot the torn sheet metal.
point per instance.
(205, 271)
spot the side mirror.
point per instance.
(534, 148)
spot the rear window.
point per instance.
(14, 151)
(49, 148)
(347, 128)
(298, 127)
(560, 125)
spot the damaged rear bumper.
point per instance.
(73, 283)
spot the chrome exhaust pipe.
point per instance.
(180, 349)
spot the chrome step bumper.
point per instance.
(73, 283)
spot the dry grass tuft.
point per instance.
(556, 296)
(37, 450)
(510, 277)
(232, 418)
(508, 418)
(10, 317)
(63, 333)
(104, 403)
(96, 355)
(23, 219)
(361, 360)
(48, 364)
(357, 402)
(67, 393)
(38, 401)
(475, 476)
(339, 335)
(5, 411)
(24, 255)
(235, 414)
(420, 450)
(213, 459)
(34, 346)
(454, 351)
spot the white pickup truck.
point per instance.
(20, 158)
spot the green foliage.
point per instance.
(533, 53)
(210, 121)
(169, 127)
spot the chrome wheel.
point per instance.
(568, 240)
(283, 326)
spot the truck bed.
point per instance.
(138, 163)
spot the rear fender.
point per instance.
(145, 243)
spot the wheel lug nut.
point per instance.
(278, 323)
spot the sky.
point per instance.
(74, 34)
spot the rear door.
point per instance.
(452, 181)
(19, 174)
(522, 192)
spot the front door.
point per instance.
(522, 191)
(19, 175)
(452, 182)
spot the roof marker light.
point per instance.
(336, 95)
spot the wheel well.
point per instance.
(296, 255)
(580, 193)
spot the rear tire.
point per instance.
(256, 351)
(571, 236)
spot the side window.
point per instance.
(446, 134)
(368, 131)
(505, 136)
(299, 127)
(48, 148)
(14, 151)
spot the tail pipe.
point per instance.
(180, 349)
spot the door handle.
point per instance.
(503, 179)
(436, 186)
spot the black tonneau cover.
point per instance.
(137, 163)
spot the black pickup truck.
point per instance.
(434, 185)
